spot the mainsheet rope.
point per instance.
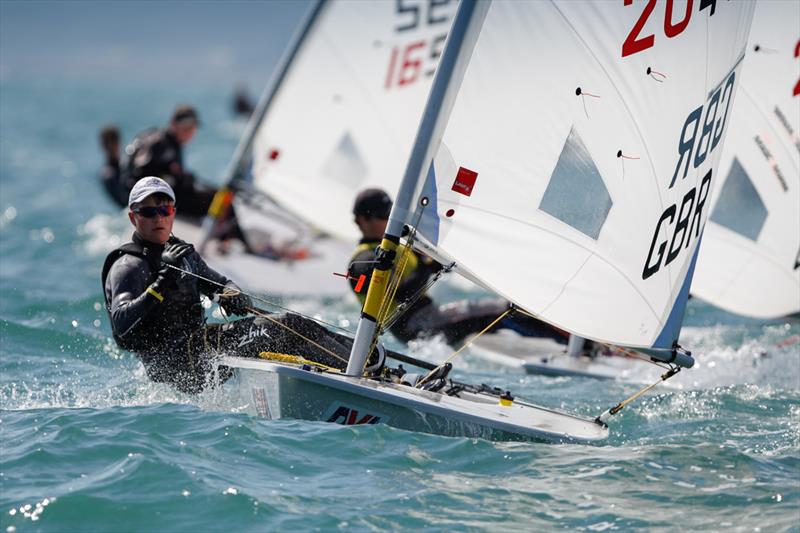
(466, 344)
(229, 292)
(262, 300)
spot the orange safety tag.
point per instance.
(360, 284)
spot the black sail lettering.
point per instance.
(649, 270)
(685, 145)
(701, 201)
(708, 125)
(726, 97)
(680, 227)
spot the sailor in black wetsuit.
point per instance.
(110, 171)
(156, 311)
(159, 152)
(454, 320)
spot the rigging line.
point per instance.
(394, 284)
(601, 419)
(254, 198)
(409, 247)
(259, 314)
(405, 306)
(397, 274)
(466, 345)
(391, 288)
(262, 300)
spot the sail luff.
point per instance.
(243, 148)
(272, 88)
(458, 48)
(450, 72)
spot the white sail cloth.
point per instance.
(750, 259)
(345, 114)
(584, 136)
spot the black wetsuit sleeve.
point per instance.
(202, 269)
(126, 288)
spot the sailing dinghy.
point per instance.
(338, 115)
(750, 263)
(513, 172)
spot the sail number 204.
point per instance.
(636, 42)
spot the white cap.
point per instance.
(147, 186)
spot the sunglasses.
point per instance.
(152, 211)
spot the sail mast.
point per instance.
(458, 49)
(267, 96)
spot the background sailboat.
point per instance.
(750, 263)
(339, 115)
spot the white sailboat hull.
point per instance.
(274, 391)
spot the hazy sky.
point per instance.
(169, 40)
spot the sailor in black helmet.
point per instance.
(454, 320)
(152, 288)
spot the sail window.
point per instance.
(345, 164)
(576, 194)
(739, 207)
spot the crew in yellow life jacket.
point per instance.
(454, 320)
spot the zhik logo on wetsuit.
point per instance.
(253, 334)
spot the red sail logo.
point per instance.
(465, 181)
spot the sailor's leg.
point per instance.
(312, 341)
(284, 333)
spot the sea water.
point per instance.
(87, 443)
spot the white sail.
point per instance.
(344, 115)
(750, 260)
(574, 170)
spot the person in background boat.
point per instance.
(153, 286)
(159, 152)
(110, 171)
(242, 103)
(454, 320)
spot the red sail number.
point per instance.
(797, 54)
(634, 43)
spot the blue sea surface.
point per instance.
(87, 443)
